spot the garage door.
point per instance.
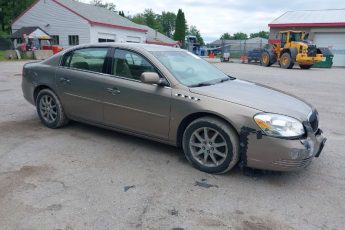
(334, 41)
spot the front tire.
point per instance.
(211, 145)
(286, 61)
(50, 110)
(266, 59)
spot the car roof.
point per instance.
(139, 46)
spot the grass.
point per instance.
(2, 55)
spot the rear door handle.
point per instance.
(113, 91)
(65, 80)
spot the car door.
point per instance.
(80, 83)
(132, 105)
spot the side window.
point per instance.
(91, 59)
(130, 65)
(66, 60)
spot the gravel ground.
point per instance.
(82, 177)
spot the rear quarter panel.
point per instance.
(37, 74)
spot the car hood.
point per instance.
(257, 96)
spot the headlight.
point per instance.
(277, 125)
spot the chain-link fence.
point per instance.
(237, 48)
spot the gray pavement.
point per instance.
(82, 177)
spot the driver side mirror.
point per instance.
(153, 78)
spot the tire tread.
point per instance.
(233, 136)
(62, 118)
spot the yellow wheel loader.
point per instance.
(291, 48)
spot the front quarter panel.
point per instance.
(184, 103)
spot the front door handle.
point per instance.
(65, 80)
(113, 91)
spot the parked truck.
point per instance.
(255, 55)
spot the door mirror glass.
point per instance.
(150, 78)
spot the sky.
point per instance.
(213, 18)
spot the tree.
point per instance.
(240, 36)
(9, 10)
(226, 36)
(261, 34)
(167, 20)
(148, 18)
(152, 21)
(109, 6)
(2, 16)
(139, 19)
(180, 27)
(195, 32)
(121, 13)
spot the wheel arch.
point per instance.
(292, 51)
(285, 51)
(38, 89)
(192, 117)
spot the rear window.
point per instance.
(91, 59)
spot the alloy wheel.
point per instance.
(208, 147)
(48, 108)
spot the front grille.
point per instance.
(312, 51)
(293, 163)
(314, 120)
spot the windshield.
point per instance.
(296, 37)
(190, 69)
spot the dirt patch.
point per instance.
(211, 222)
(15, 180)
(54, 207)
(261, 223)
(5, 90)
(14, 126)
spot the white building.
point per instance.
(326, 28)
(71, 23)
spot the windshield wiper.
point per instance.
(201, 84)
(213, 82)
(224, 79)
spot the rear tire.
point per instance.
(305, 66)
(266, 59)
(211, 145)
(286, 61)
(50, 110)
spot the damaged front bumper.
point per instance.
(277, 154)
